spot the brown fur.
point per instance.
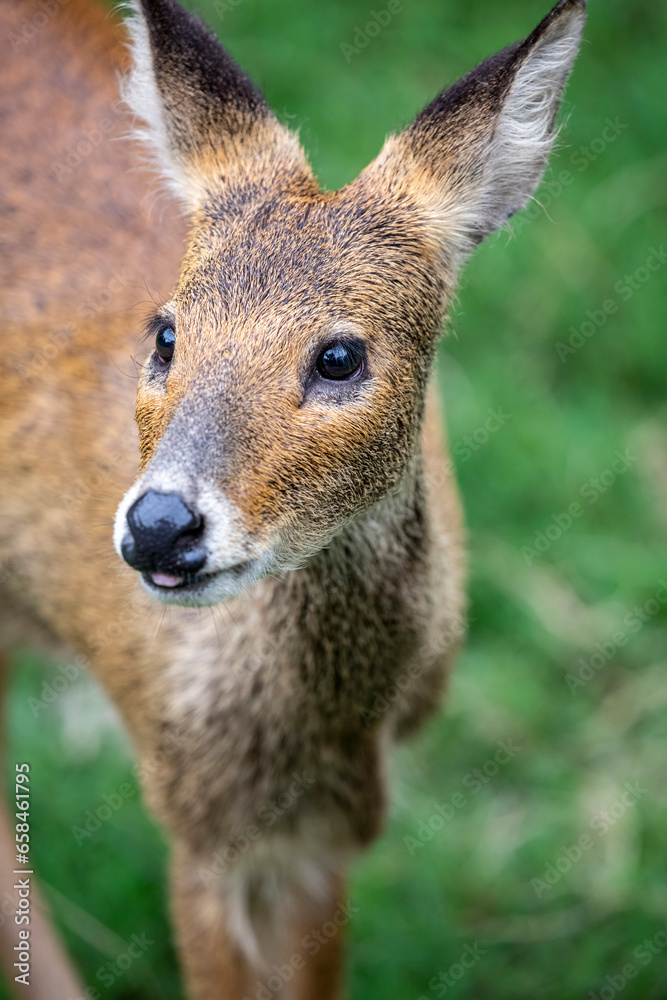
(345, 642)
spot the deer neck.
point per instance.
(356, 612)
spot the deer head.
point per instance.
(285, 390)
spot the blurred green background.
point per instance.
(559, 330)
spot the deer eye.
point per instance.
(340, 361)
(165, 342)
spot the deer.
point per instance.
(256, 544)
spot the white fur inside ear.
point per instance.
(516, 156)
(140, 92)
(525, 134)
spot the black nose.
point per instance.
(166, 535)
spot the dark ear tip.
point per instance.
(564, 5)
(157, 6)
(564, 13)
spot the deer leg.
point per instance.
(319, 943)
(52, 976)
(212, 961)
(300, 941)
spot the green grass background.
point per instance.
(531, 622)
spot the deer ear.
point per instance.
(206, 125)
(475, 155)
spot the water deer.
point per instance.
(292, 471)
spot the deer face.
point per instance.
(284, 394)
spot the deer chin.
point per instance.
(202, 589)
